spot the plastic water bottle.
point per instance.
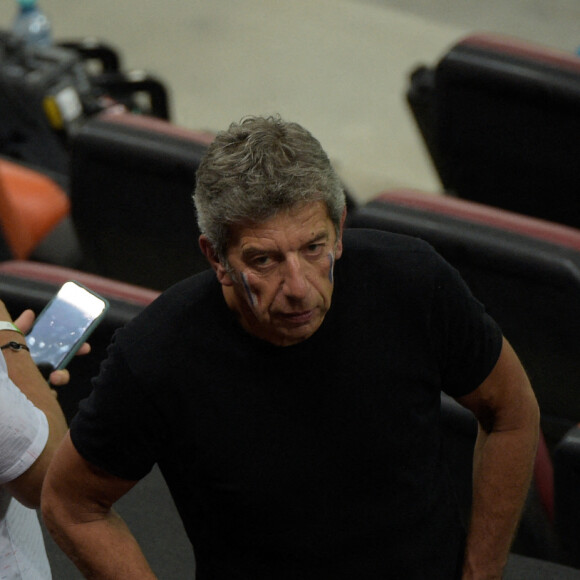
(31, 24)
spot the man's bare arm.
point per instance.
(508, 417)
(77, 500)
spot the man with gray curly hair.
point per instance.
(291, 394)
(257, 168)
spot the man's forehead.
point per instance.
(298, 225)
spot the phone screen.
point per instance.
(63, 326)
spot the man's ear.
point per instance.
(338, 251)
(207, 249)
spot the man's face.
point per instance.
(281, 276)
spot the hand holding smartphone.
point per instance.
(64, 325)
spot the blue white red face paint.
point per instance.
(252, 298)
(331, 269)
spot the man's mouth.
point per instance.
(297, 318)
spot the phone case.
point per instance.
(64, 326)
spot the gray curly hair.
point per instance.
(255, 169)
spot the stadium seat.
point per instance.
(26, 284)
(500, 118)
(527, 273)
(131, 184)
(148, 509)
(525, 270)
(567, 496)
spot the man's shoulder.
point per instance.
(381, 258)
(169, 313)
(187, 293)
(392, 251)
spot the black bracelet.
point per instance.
(16, 346)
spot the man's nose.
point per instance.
(295, 284)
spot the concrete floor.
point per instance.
(339, 67)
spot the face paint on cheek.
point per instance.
(253, 299)
(331, 269)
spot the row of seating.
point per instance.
(500, 119)
(124, 220)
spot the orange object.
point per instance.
(31, 205)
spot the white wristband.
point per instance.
(9, 326)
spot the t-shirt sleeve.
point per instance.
(23, 429)
(467, 340)
(117, 428)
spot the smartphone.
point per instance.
(64, 325)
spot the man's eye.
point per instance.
(261, 261)
(315, 248)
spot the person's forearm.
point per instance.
(77, 507)
(102, 549)
(503, 467)
(25, 375)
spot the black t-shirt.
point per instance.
(318, 460)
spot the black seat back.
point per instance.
(529, 284)
(501, 119)
(132, 181)
(27, 284)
